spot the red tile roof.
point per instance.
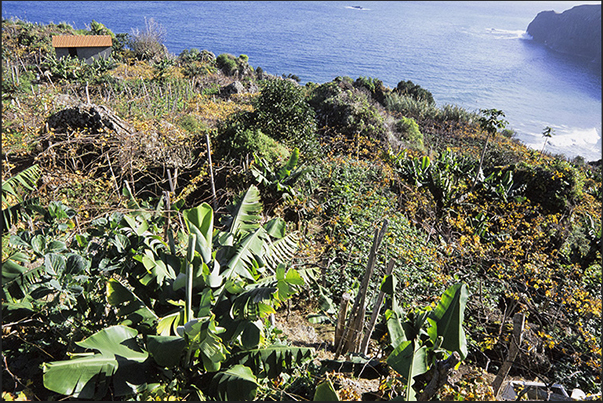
(81, 41)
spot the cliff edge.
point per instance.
(576, 31)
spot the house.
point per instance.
(85, 47)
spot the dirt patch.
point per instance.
(301, 333)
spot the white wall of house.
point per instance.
(87, 54)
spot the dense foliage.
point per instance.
(159, 213)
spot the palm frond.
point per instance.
(245, 216)
(23, 181)
(280, 251)
(22, 277)
(15, 186)
(246, 253)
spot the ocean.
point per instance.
(475, 54)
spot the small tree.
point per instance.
(490, 122)
(547, 133)
(415, 91)
(410, 129)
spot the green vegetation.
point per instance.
(165, 239)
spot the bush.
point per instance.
(410, 130)
(421, 109)
(148, 44)
(374, 86)
(231, 65)
(346, 110)
(282, 112)
(414, 91)
(555, 187)
(236, 141)
(409, 106)
(96, 28)
(227, 63)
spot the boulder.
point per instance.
(90, 117)
(576, 31)
(233, 88)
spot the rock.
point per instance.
(94, 118)
(576, 31)
(234, 88)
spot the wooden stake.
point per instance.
(341, 317)
(211, 173)
(375, 315)
(518, 325)
(349, 341)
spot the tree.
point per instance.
(490, 122)
(547, 133)
(415, 91)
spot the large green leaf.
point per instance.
(280, 251)
(409, 361)
(15, 187)
(447, 320)
(202, 335)
(85, 377)
(166, 350)
(246, 253)
(245, 213)
(131, 308)
(325, 392)
(273, 360)
(276, 227)
(236, 383)
(14, 273)
(168, 324)
(200, 221)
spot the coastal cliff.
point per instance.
(576, 31)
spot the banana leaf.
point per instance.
(236, 383)
(447, 320)
(85, 377)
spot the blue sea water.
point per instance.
(474, 54)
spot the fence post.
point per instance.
(350, 342)
(518, 325)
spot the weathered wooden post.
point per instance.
(518, 326)
(352, 333)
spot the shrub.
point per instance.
(148, 44)
(196, 63)
(346, 110)
(414, 91)
(555, 187)
(227, 63)
(407, 105)
(410, 130)
(96, 28)
(374, 86)
(191, 124)
(231, 65)
(236, 142)
(282, 112)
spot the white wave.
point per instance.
(508, 34)
(569, 141)
(357, 8)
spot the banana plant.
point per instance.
(501, 186)
(226, 284)
(280, 181)
(423, 336)
(13, 201)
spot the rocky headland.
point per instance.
(576, 31)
